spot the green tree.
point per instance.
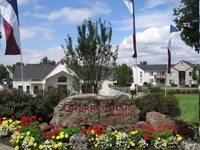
(187, 21)
(124, 75)
(3, 72)
(47, 61)
(196, 73)
(92, 57)
(143, 63)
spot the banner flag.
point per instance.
(172, 30)
(9, 12)
(130, 5)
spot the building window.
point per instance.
(151, 73)
(190, 82)
(150, 80)
(190, 74)
(20, 87)
(171, 81)
(141, 74)
(172, 74)
(141, 81)
(62, 79)
(28, 89)
(35, 89)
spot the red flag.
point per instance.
(172, 30)
(9, 13)
(130, 5)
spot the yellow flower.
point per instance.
(30, 143)
(132, 143)
(60, 144)
(28, 133)
(57, 137)
(35, 144)
(53, 137)
(92, 131)
(96, 145)
(10, 121)
(62, 136)
(17, 141)
(41, 147)
(66, 136)
(158, 139)
(164, 141)
(16, 147)
(55, 146)
(179, 138)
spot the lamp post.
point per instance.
(81, 83)
(132, 89)
(5, 84)
(115, 83)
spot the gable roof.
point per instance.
(32, 72)
(159, 67)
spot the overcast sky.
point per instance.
(44, 24)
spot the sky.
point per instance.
(44, 24)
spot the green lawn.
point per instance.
(189, 105)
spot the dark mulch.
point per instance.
(5, 141)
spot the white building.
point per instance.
(181, 74)
(45, 77)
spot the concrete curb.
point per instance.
(5, 147)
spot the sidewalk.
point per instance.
(5, 147)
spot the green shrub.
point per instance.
(157, 102)
(46, 102)
(16, 103)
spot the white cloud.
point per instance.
(74, 15)
(152, 47)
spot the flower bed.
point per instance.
(27, 134)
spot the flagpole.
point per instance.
(166, 85)
(22, 72)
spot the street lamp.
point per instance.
(81, 83)
(132, 89)
(115, 83)
(5, 83)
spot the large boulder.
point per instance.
(156, 119)
(96, 109)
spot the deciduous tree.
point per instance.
(187, 21)
(92, 57)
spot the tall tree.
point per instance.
(124, 75)
(92, 58)
(187, 21)
(196, 73)
(3, 72)
(47, 61)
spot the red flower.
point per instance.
(44, 135)
(84, 131)
(40, 119)
(147, 137)
(12, 117)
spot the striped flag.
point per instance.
(130, 5)
(172, 31)
(9, 12)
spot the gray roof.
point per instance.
(161, 67)
(32, 72)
